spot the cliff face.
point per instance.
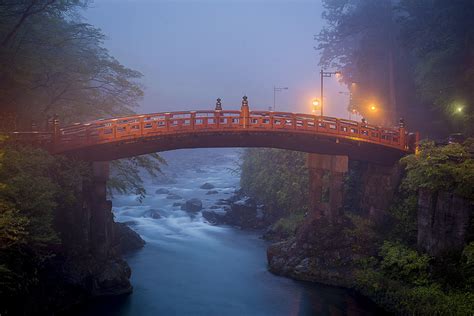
(88, 263)
(443, 221)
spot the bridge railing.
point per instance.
(132, 127)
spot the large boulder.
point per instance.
(212, 192)
(192, 205)
(213, 217)
(162, 191)
(155, 214)
(207, 186)
(173, 196)
(245, 214)
(127, 238)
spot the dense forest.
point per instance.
(412, 59)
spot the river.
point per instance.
(189, 267)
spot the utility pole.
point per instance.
(323, 75)
(275, 89)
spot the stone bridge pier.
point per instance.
(101, 219)
(326, 183)
(373, 188)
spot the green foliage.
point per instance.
(398, 297)
(126, 175)
(276, 178)
(52, 62)
(413, 58)
(447, 168)
(35, 187)
(404, 212)
(467, 265)
(289, 224)
(363, 234)
(439, 34)
(402, 263)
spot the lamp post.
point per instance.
(323, 75)
(275, 89)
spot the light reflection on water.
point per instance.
(189, 267)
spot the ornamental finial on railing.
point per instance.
(218, 105)
(244, 101)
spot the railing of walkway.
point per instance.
(157, 124)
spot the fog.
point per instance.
(191, 52)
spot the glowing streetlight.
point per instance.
(373, 108)
(316, 105)
(459, 109)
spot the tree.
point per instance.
(439, 34)
(360, 41)
(51, 62)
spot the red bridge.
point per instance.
(115, 138)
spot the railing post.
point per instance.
(114, 128)
(245, 112)
(193, 120)
(56, 130)
(402, 136)
(167, 121)
(217, 113)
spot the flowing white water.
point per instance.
(189, 267)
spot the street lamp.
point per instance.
(323, 75)
(316, 105)
(275, 89)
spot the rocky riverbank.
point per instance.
(80, 273)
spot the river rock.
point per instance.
(212, 192)
(244, 213)
(173, 196)
(162, 191)
(175, 204)
(213, 217)
(192, 205)
(127, 238)
(207, 186)
(222, 202)
(155, 214)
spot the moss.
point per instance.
(288, 225)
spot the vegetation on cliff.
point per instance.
(380, 259)
(279, 180)
(37, 192)
(403, 277)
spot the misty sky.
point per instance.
(191, 52)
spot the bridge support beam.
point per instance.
(326, 184)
